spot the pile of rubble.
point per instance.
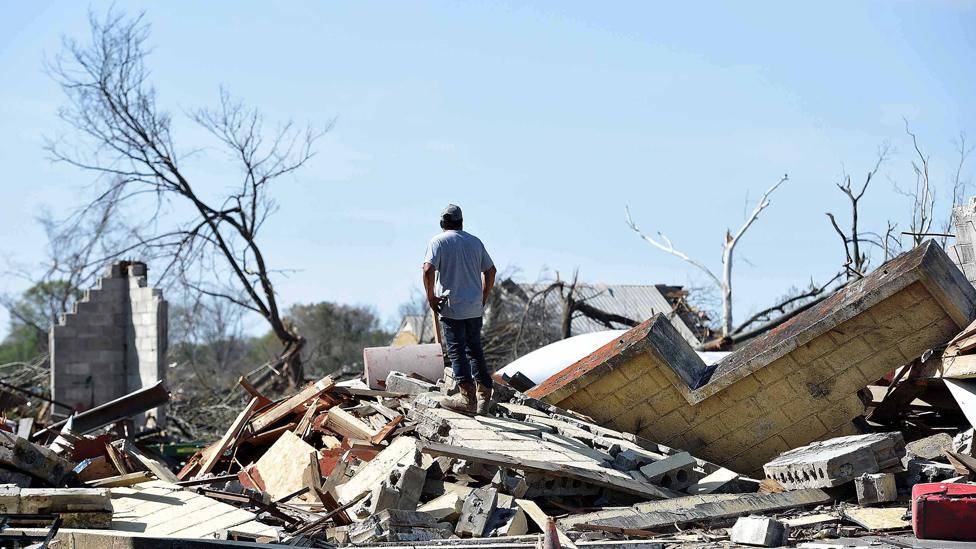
(798, 437)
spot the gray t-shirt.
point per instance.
(459, 258)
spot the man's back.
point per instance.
(460, 258)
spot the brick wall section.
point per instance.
(113, 342)
(742, 417)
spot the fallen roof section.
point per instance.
(787, 388)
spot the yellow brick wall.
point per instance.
(806, 395)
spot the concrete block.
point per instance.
(397, 382)
(445, 507)
(719, 482)
(875, 488)
(760, 532)
(836, 461)
(476, 511)
(675, 472)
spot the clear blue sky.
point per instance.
(542, 120)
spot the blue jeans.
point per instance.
(463, 341)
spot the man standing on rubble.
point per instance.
(458, 276)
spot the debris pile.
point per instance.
(854, 418)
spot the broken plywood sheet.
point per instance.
(878, 518)
(165, 510)
(279, 471)
(787, 388)
(712, 507)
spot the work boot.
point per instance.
(484, 398)
(464, 400)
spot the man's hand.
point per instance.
(436, 302)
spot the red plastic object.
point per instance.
(943, 510)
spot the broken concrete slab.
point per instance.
(784, 389)
(711, 508)
(836, 461)
(401, 489)
(507, 443)
(760, 532)
(930, 447)
(401, 452)
(477, 509)
(397, 525)
(875, 488)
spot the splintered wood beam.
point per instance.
(348, 425)
(289, 405)
(386, 430)
(229, 437)
(119, 481)
(161, 471)
(263, 401)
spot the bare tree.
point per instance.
(922, 196)
(724, 284)
(69, 266)
(960, 183)
(207, 240)
(856, 257)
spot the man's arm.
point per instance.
(429, 272)
(488, 284)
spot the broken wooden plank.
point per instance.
(712, 507)
(381, 435)
(25, 427)
(347, 425)
(596, 478)
(161, 471)
(289, 405)
(35, 460)
(119, 481)
(263, 401)
(541, 520)
(229, 437)
(117, 459)
(306, 422)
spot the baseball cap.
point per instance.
(451, 213)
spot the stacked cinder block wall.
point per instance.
(963, 251)
(113, 342)
(794, 385)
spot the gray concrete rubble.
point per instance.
(836, 461)
(760, 532)
(875, 488)
(798, 436)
